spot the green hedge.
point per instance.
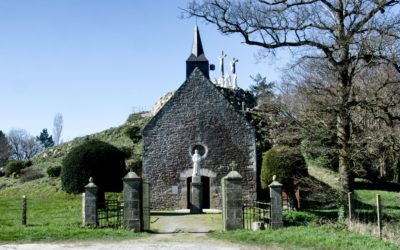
(284, 162)
(97, 159)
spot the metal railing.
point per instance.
(110, 214)
(256, 211)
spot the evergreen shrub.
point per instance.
(53, 171)
(13, 168)
(97, 159)
(134, 133)
(284, 162)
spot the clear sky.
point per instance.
(97, 61)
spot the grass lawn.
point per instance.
(306, 237)
(52, 215)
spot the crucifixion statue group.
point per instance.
(225, 81)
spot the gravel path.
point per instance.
(176, 241)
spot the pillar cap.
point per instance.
(91, 184)
(131, 176)
(274, 183)
(233, 175)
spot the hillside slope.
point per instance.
(116, 136)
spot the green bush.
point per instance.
(53, 171)
(13, 168)
(31, 174)
(284, 162)
(133, 133)
(28, 163)
(97, 159)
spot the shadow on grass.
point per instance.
(378, 185)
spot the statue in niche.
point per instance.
(196, 158)
(233, 69)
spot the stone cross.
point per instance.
(233, 165)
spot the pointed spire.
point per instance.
(197, 47)
(197, 57)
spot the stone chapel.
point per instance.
(197, 116)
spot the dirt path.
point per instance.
(176, 241)
(184, 222)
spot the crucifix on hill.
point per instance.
(221, 63)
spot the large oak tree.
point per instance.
(349, 34)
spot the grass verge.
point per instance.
(305, 237)
(52, 215)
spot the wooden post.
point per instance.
(378, 211)
(24, 210)
(351, 205)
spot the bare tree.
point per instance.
(22, 145)
(349, 34)
(4, 149)
(57, 128)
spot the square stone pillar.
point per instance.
(133, 202)
(196, 198)
(90, 204)
(232, 203)
(275, 190)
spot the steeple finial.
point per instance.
(197, 47)
(197, 57)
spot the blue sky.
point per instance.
(96, 61)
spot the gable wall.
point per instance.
(197, 114)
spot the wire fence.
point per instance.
(31, 211)
(376, 219)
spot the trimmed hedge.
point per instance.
(284, 162)
(97, 159)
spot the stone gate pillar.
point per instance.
(232, 203)
(90, 204)
(133, 202)
(275, 190)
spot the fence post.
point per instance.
(90, 209)
(24, 210)
(133, 218)
(378, 211)
(232, 201)
(275, 189)
(351, 205)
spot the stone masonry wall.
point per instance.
(197, 114)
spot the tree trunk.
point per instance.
(344, 129)
(343, 126)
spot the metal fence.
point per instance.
(110, 214)
(256, 211)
